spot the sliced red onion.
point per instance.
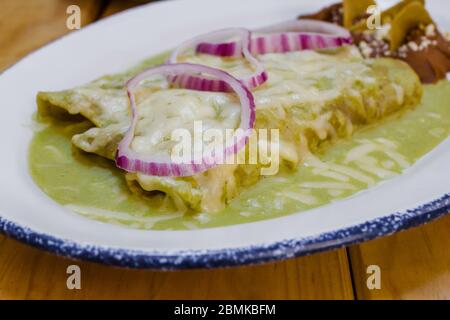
(133, 161)
(238, 48)
(294, 35)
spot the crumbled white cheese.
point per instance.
(413, 46)
(366, 50)
(425, 42)
(402, 51)
(430, 30)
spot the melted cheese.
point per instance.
(310, 97)
(164, 111)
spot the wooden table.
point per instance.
(414, 264)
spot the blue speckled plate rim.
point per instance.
(187, 259)
(227, 257)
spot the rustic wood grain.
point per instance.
(27, 25)
(28, 273)
(415, 264)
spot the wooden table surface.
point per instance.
(414, 264)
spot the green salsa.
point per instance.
(94, 187)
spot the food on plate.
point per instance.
(310, 97)
(406, 31)
(301, 91)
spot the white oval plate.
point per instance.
(113, 44)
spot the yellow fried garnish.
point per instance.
(408, 18)
(386, 16)
(355, 9)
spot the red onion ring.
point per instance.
(236, 49)
(132, 161)
(293, 35)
